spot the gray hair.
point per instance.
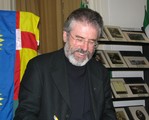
(84, 15)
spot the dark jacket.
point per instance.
(44, 91)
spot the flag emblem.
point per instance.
(1, 40)
(1, 99)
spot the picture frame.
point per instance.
(119, 88)
(115, 59)
(103, 37)
(139, 113)
(136, 37)
(99, 56)
(136, 61)
(114, 33)
(139, 90)
(121, 114)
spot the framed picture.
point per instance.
(114, 33)
(103, 37)
(139, 90)
(139, 113)
(115, 59)
(121, 114)
(136, 37)
(136, 61)
(119, 88)
(99, 56)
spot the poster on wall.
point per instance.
(121, 114)
(99, 56)
(136, 61)
(139, 113)
(136, 37)
(114, 33)
(115, 59)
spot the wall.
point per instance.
(7, 4)
(124, 13)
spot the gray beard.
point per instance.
(69, 54)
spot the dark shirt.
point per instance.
(79, 92)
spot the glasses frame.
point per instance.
(81, 40)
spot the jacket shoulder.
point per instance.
(44, 58)
(48, 60)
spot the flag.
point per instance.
(27, 43)
(84, 4)
(146, 20)
(19, 39)
(148, 6)
(7, 60)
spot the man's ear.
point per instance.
(64, 36)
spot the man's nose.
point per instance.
(85, 45)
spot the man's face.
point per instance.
(80, 43)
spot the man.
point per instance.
(68, 84)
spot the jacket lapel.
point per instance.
(60, 77)
(95, 85)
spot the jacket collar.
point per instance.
(61, 80)
(60, 77)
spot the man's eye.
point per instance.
(91, 42)
(79, 40)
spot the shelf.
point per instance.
(133, 98)
(123, 43)
(128, 48)
(128, 69)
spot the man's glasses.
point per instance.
(80, 40)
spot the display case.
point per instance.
(135, 55)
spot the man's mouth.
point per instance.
(80, 55)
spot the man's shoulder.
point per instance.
(47, 57)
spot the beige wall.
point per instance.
(7, 4)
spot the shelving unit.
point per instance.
(128, 72)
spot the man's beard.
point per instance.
(69, 53)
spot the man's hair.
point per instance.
(84, 15)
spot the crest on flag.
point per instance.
(1, 40)
(1, 99)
